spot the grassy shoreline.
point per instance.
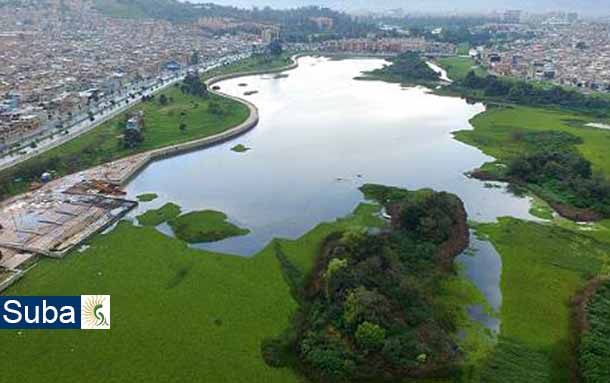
(504, 133)
(181, 118)
(252, 64)
(184, 118)
(180, 314)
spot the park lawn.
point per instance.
(458, 67)
(161, 128)
(493, 132)
(543, 267)
(178, 314)
(204, 226)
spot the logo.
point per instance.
(95, 312)
(87, 312)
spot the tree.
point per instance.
(193, 85)
(275, 48)
(163, 100)
(520, 168)
(132, 138)
(370, 336)
(333, 266)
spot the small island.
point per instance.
(147, 197)
(205, 226)
(407, 68)
(240, 148)
(374, 304)
(156, 217)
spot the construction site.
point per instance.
(60, 215)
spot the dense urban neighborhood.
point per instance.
(64, 61)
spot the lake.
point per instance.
(321, 135)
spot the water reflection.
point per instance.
(483, 266)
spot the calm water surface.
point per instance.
(321, 135)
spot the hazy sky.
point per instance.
(583, 6)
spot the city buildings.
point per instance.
(572, 54)
(61, 59)
(389, 46)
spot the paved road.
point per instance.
(85, 125)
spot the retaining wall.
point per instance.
(236, 131)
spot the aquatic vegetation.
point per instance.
(147, 197)
(594, 348)
(541, 209)
(240, 148)
(543, 151)
(156, 217)
(543, 267)
(219, 306)
(204, 226)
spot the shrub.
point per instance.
(370, 336)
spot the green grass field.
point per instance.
(178, 314)
(494, 129)
(458, 67)
(544, 266)
(162, 128)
